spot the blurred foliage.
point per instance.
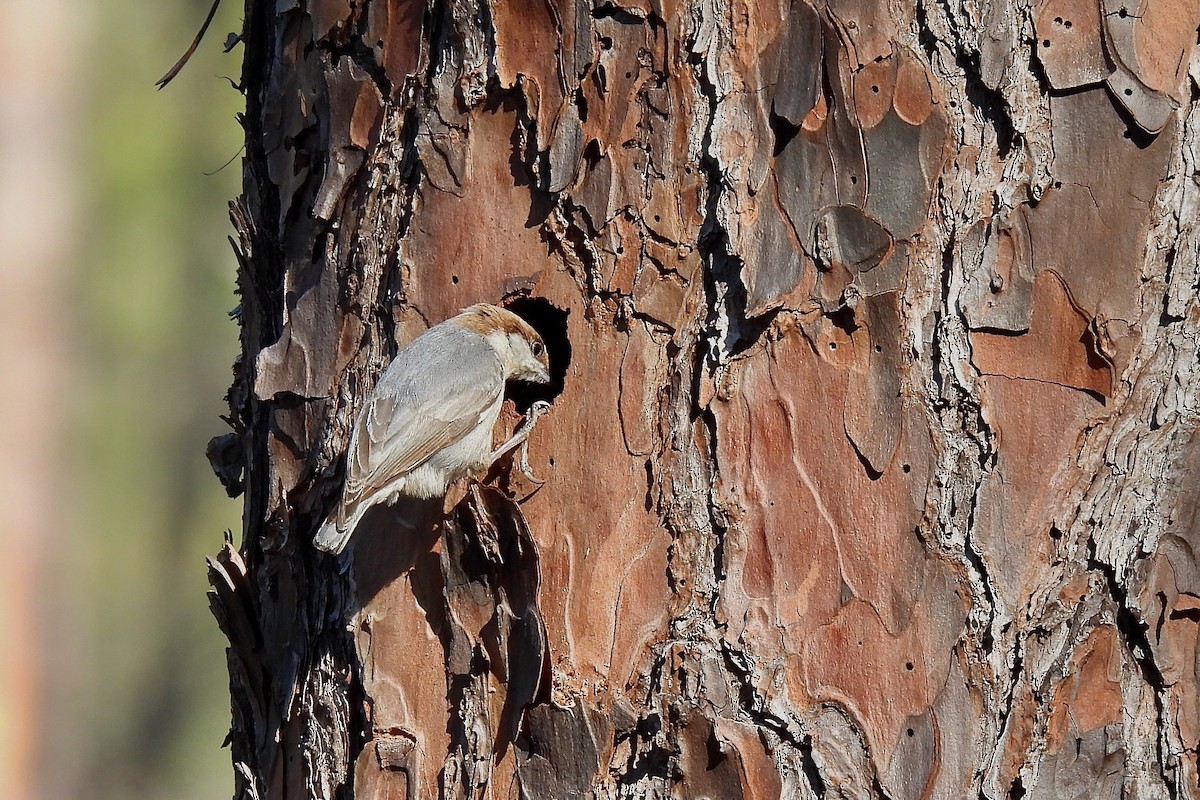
(142, 676)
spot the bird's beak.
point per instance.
(541, 376)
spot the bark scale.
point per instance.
(870, 471)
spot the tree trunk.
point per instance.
(870, 468)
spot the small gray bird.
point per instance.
(429, 421)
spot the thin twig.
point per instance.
(173, 71)
(241, 150)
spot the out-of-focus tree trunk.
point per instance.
(870, 470)
(39, 220)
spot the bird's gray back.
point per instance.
(448, 359)
(436, 391)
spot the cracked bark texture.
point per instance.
(871, 470)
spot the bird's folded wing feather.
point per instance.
(401, 429)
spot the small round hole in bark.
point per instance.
(853, 180)
(1058, 184)
(908, 732)
(1129, 92)
(454, 279)
(657, 218)
(906, 468)
(833, 345)
(878, 349)
(875, 89)
(908, 665)
(551, 323)
(620, 250)
(1067, 24)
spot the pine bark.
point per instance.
(870, 470)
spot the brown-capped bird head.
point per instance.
(520, 348)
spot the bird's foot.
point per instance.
(520, 439)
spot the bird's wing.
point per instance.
(406, 421)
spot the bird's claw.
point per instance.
(521, 434)
(520, 439)
(523, 465)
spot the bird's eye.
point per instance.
(538, 348)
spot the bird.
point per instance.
(429, 421)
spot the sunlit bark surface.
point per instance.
(870, 470)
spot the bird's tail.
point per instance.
(330, 537)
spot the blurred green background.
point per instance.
(125, 695)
